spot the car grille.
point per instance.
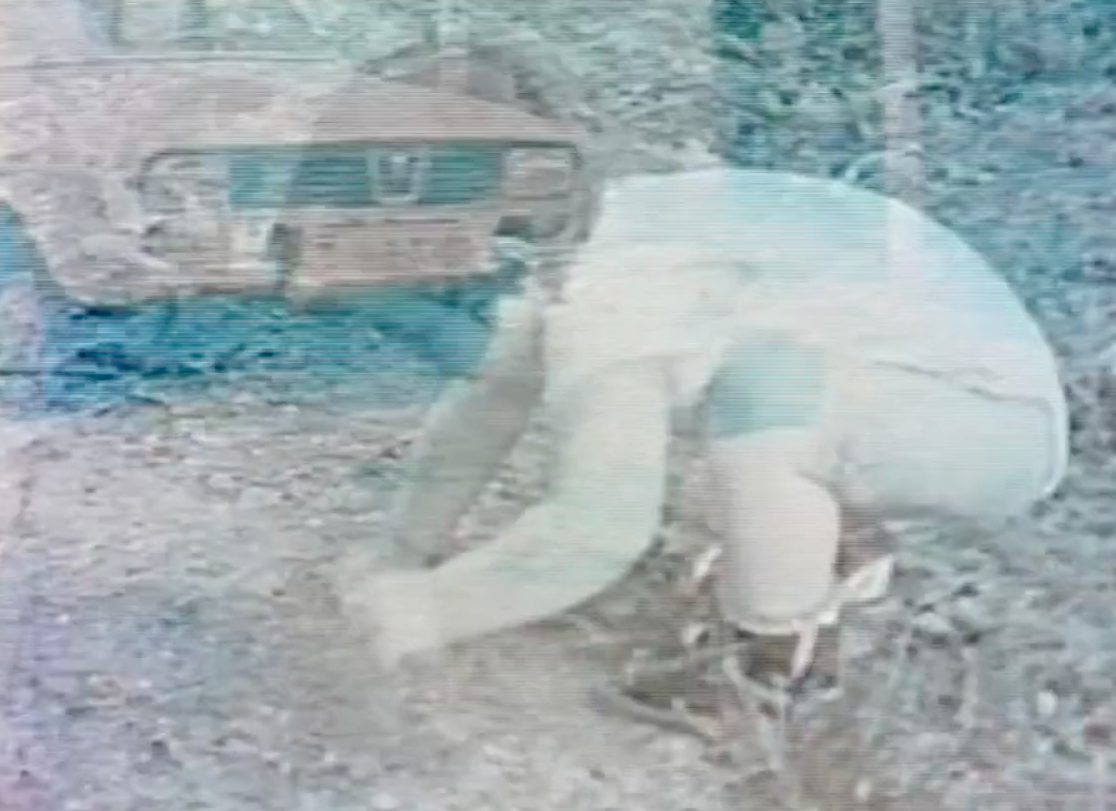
(342, 177)
(331, 180)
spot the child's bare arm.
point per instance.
(466, 436)
(598, 520)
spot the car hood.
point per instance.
(118, 114)
(74, 138)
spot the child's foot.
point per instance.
(792, 669)
(688, 693)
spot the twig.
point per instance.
(970, 694)
(1100, 782)
(896, 672)
(608, 697)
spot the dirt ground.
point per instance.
(167, 638)
(169, 642)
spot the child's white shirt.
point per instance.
(683, 266)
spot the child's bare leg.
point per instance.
(782, 528)
(781, 534)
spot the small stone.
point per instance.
(1046, 703)
(934, 625)
(221, 483)
(258, 498)
(863, 790)
(382, 801)
(1099, 734)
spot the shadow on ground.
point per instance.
(392, 347)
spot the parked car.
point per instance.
(130, 177)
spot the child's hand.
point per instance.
(397, 612)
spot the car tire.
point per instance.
(23, 314)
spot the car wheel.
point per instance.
(23, 320)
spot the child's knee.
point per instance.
(767, 383)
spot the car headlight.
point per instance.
(181, 184)
(538, 172)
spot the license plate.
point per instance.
(361, 256)
(431, 254)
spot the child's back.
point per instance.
(854, 359)
(682, 263)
